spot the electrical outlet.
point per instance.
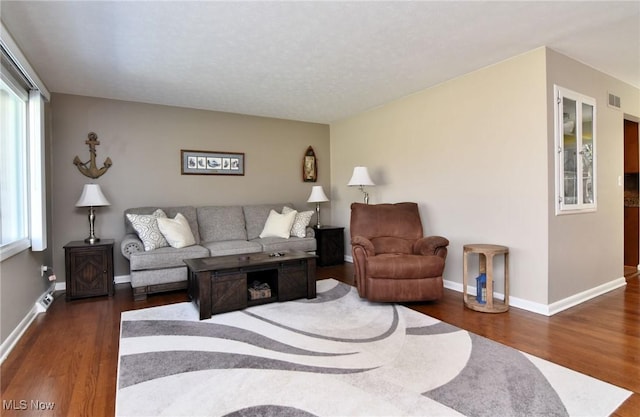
(43, 269)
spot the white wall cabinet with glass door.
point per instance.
(575, 140)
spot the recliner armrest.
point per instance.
(131, 243)
(364, 243)
(431, 245)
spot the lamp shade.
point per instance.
(317, 195)
(92, 197)
(360, 177)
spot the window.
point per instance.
(575, 137)
(22, 176)
(14, 225)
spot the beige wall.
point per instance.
(587, 250)
(144, 143)
(477, 154)
(472, 152)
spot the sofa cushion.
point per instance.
(176, 231)
(232, 247)
(220, 223)
(189, 212)
(256, 216)
(278, 244)
(278, 225)
(146, 226)
(167, 257)
(158, 276)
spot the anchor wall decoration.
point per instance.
(89, 168)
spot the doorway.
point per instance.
(631, 196)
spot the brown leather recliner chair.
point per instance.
(392, 259)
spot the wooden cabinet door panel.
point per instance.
(292, 281)
(228, 293)
(89, 269)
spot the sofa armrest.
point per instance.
(310, 232)
(131, 243)
(364, 243)
(431, 245)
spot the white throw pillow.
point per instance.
(299, 227)
(278, 225)
(146, 225)
(177, 231)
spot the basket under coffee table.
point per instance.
(219, 284)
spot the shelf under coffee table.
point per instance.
(219, 284)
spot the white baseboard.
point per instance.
(122, 279)
(16, 334)
(513, 301)
(553, 308)
(583, 296)
(11, 341)
(539, 308)
(118, 279)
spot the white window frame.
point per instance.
(563, 207)
(37, 178)
(11, 248)
(35, 204)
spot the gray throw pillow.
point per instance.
(146, 226)
(299, 228)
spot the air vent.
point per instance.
(614, 101)
(44, 302)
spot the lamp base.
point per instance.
(318, 215)
(92, 240)
(366, 195)
(92, 236)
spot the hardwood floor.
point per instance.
(68, 356)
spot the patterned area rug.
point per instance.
(336, 355)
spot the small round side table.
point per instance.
(486, 253)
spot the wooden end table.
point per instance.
(329, 245)
(89, 269)
(486, 253)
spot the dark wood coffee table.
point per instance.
(221, 283)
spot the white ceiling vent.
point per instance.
(614, 101)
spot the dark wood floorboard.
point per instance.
(68, 356)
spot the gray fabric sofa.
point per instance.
(218, 230)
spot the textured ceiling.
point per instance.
(311, 61)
